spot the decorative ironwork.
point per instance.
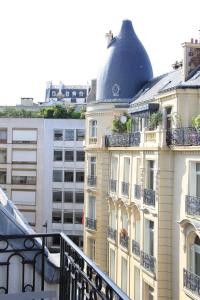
(79, 277)
(90, 223)
(113, 185)
(112, 233)
(185, 136)
(123, 139)
(192, 205)
(135, 248)
(125, 188)
(92, 180)
(149, 197)
(124, 239)
(191, 282)
(147, 261)
(137, 191)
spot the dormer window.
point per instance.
(67, 94)
(81, 94)
(74, 93)
(53, 93)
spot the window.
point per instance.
(2, 176)
(57, 176)
(68, 217)
(113, 219)
(69, 135)
(68, 196)
(57, 155)
(78, 217)
(112, 264)
(195, 257)
(149, 237)
(73, 100)
(80, 134)
(168, 117)
(114, 164)
(23, 180)
(79, 197)
(194, 179)
(136, 283)
(149, 292)
(92, 166)
(124, 274)
(68, 176)
(126, 169)
(67, 94)
(56, 217)
(79, 176)
(150, 174)
(53, 93)
(91, 248)
(93, 128)
(80, 155)
(137, 230)
(56, 241)
(125, 220)
(198, 179)
(3, 135)
(3, 156)
(74, 93)
(57, 196)
(69, 155)
(81, 94)
(92, 207)
(58, 135)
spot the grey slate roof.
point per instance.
(164, 83)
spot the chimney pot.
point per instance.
(192, 40)
(196, 41)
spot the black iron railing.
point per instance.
(191, 282)
(137, 191)
(91, 223)
(123, 139)
(135, 248)
(78, 276)
(113, 185)
(92, 180)
(149, 197)
(123, 240)
(185, 136)
(125, 188)
(112, 233)
(147, 261)
(192, 205)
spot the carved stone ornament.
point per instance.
(115, 90)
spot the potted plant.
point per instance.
(155, 119)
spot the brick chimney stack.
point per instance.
(191, 57)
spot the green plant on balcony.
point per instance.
(196, 123)
(155, 119)
(122, 123)
(176, 119)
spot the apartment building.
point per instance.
(142, 189)
(42, 171)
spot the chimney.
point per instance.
(109, 37)
(191, 57)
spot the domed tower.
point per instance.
(125, 70)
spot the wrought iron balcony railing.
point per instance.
(147, 261)
(112, 233)
(123, 139)
(90, 223)
(92, 180)
(123, 240)
(125, 189)
(149, 197)
(191, 282)
(78, 277)
(135, 248)
(185, 136)
(113, 185)
(192, 205)
(137, 191)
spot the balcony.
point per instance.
(113, 185)
(135, 248)
(191, 282)
(76, 276)
(147, 261)
(125, 189)
(112, 233)
(92, 180)
(90, 223)
(124, 238)
(186, 136)
(192, 205)
(149, 197)
(123, 140)
(137, 191)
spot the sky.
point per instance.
(64, 40)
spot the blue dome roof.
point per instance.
(126, 68)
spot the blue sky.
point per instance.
(44, 40)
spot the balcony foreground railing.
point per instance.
(92, 180)
(135, 248)
(147, 261)
(123, 139)
(113, 185)
(191, 282)
(112, 233)
(78, 277)
(90, 223)
(192, 205)
(124, 239)
(149, 197)
(185, 136)
(137, 191)
(125, 189)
